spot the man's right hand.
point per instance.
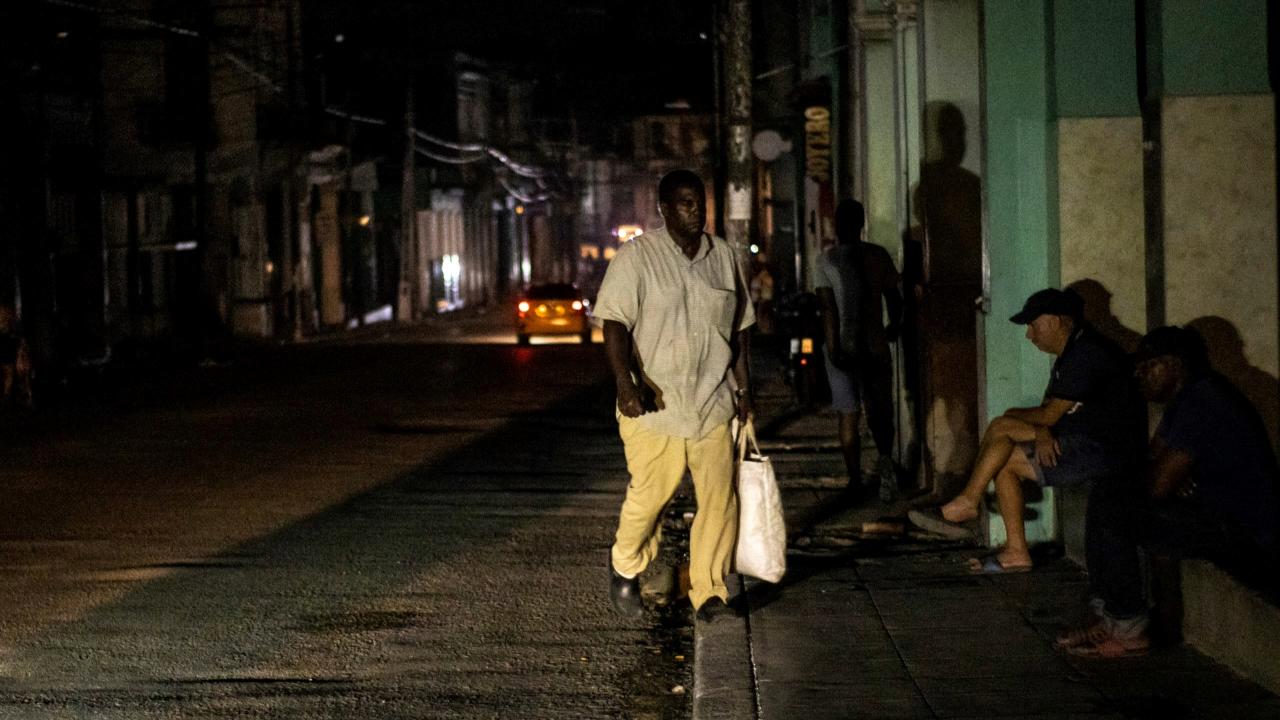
(630, 399)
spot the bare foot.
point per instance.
(959, 510)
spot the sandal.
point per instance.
(991, 565)
(1089, 634)
(932, 521)
(1110, 646)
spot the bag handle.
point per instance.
(747, 434)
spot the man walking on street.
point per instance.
(676, 314)
(851, 281)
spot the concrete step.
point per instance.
(1231, 622)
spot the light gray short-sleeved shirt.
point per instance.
(682, 314)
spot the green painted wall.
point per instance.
(1022, 210)
(1095, 61)
(1022, 233)
(881, 147)
(1214, 47)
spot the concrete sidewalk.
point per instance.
(875, 626)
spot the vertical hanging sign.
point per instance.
(819, 197)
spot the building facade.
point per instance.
(1126, 149)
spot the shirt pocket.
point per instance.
(718, 306)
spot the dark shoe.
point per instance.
(713, 609)
(625, 594)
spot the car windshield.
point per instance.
(556, 291)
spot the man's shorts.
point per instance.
(846, 396)
(1082, 459)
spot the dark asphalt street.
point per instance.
(395, 527)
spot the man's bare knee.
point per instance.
(1019, 466)
(1005, 428)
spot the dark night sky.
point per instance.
(596, 54)
(603, 60)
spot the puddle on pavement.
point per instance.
(660, 687)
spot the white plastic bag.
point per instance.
(762, 532)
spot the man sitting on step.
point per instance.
(1088, 427)
(1210, 490)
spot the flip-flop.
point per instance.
(991, 565)
(1111, 646)
(932, 521)
(1080, 635)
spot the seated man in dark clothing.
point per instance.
(1089, 426)
(1211, 490)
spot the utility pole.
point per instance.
(739, 166)
(846, 101)
(407, 294)
(288, 314)
(717, 43)
(204, 320)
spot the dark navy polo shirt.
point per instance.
(1096, 376)
(1234, 466)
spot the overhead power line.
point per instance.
(480, 151)
(137, 19)
(356, 118)
(451, 161)
(520, 194)
(529, 171)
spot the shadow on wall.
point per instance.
(942, 279)
(1226, 352)
(1097, 312)
(951, 196)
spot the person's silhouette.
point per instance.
(1227, 354)
(950, 200)
(1097, 311)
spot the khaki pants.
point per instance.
(657, 463)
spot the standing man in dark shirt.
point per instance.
(1211, 489)
(1087, 427)
(855, 281)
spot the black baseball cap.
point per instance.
(1050, 301)
(1173, 341)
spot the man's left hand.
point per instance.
(746, 407)
(1048, 450)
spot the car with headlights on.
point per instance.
(553, 309)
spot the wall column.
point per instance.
(1021, 208)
